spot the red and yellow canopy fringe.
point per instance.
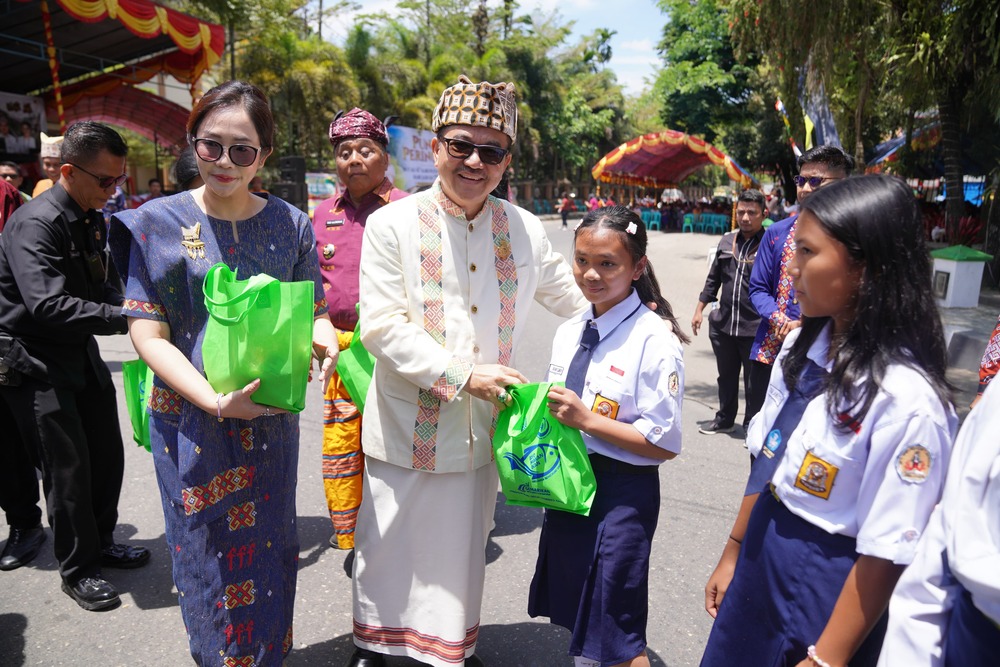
(148, 19)
(202, 43)
(663, 159)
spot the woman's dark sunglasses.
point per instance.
(104, 182)
(463, 149)
(210, 150)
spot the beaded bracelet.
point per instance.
(811, 654)
(218, 403)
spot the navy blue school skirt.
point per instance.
(972, 639)
(592, 573)
(787, 580)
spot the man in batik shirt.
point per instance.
(359, 143)
(771, 290)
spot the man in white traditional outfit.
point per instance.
(447, 280)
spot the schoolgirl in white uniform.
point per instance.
(840, 493)
(625, 397)
(945, 611)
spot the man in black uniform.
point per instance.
(732, 326)
(18, 483)
(58, 290)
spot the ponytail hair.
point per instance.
(621, 219)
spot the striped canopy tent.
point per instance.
(85, 57)
(664, 159)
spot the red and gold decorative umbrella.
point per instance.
(663, 159)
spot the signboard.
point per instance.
(21, 120)
(321, 187)
(410, 157)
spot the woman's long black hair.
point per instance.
(878, 221)
(619, 218)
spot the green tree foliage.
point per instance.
(308, 81)
(913, 55)
(571, 108)
(702, 86)
(705, 90)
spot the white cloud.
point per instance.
(567, 8)
(644, 45)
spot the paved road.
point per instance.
(39, 625)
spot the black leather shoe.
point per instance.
(22, 547)
(474, 661)
(93, 593)
(124, 556)
(365, 658)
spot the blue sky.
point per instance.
(638, 24)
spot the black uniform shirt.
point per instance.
(57, 289)
(730, 274)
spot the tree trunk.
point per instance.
(951, 152)
(992, 242)
(859, 115)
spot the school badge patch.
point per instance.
(605, 407)
(771, 444)
(914, 464)
(328, 250)
(816, 476)
(674, 383)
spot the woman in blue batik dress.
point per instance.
(226, 466)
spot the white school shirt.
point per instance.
(636, 375)
(964, 526)
(878, 481)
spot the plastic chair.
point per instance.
(654, 220)
(688, 225)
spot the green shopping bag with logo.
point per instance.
(356, 365)
(541, 462)
(138, 380)
(258, 328)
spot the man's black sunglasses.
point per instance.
(813, 182)
(104, 182)
(457, 148)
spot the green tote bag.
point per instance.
(258, 328)
(541, 463)
(138, 380)
(356, 365)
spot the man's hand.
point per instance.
(788, 327)
(697, 318)
(489, 382)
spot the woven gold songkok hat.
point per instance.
(480, 104)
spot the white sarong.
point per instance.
(420, 561)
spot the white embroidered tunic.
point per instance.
(439, 294)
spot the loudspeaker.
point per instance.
(296, 194)
(292, 168)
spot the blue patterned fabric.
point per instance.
(228, 489)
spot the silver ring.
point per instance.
(267, 412)
(502, 396)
